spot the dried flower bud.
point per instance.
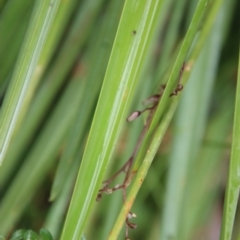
(108, 190)
(133, 116)
(134, 215)
(131, 215)
(180, 87)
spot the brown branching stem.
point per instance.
(127, 167)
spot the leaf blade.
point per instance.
(22, 87)
(118, 87)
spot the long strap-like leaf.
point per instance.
(22, 85)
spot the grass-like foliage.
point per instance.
(119, 119)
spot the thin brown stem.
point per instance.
(179, 85)
(126, 168)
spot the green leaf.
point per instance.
(30, 235)
(232, 194)
(12, 14)
(53, 82)
(40, 159)
(156, 133)
(45, 234)
(18, 235)
(131, 42)
(92, 87)
(189, 133)
(172, 79)
(22, 87)
(142, 171)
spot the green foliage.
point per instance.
(31, 235)
(71, 74)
